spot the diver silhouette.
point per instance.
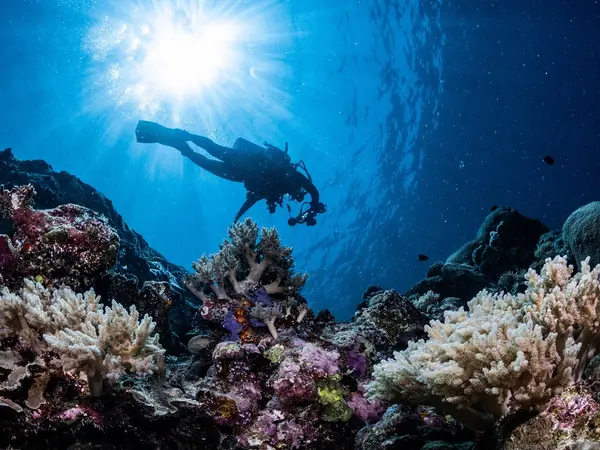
(267, 172)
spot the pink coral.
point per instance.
(71, 414)
(273, 428)
(571, 406)
(292, 384)
(322, 362)
(69, 243)
(366, 410)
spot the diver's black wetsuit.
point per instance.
(267, 173)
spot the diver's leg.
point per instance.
(151, 132)
(215, 150)
(218, 168)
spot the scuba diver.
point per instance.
(267, 172)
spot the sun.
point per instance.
(182, 57)
(208, 64)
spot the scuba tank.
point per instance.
(247, 146)
(275, 154)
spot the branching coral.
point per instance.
(236, 283)
(36, 310)
(268, 315)
(302, 311)
(212, 272)
(258, 256)
(103, 343)
(507, 353)
(246, 259)
(109, 344)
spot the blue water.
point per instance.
(412, 117)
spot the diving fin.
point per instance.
(150, 132)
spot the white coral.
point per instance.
(102, 342)
(506, 353)
(36, 309)
(108, 345)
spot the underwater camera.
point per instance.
(307, 217)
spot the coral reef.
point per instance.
(273, 379)
(506, 353)
(249, 286)
(581, 233)
(45, 242)
(571, 420)
(230, 356)
(136, 262)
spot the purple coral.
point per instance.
(323, 362)
(261, 297)
(356, 362)
(366, 410)
(233, 326)
(570, 407)
(272, 429)
(8, 253)
(290, 433)
(71, 414)
(293, 385)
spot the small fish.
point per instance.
(493, 208)
(423, 257)
(549, 160)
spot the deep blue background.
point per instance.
(413, 117)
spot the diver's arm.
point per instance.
(251, 199)
(309, 187)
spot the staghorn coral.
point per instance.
(507, 353)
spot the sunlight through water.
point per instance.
(189, 62)
(182, 61)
